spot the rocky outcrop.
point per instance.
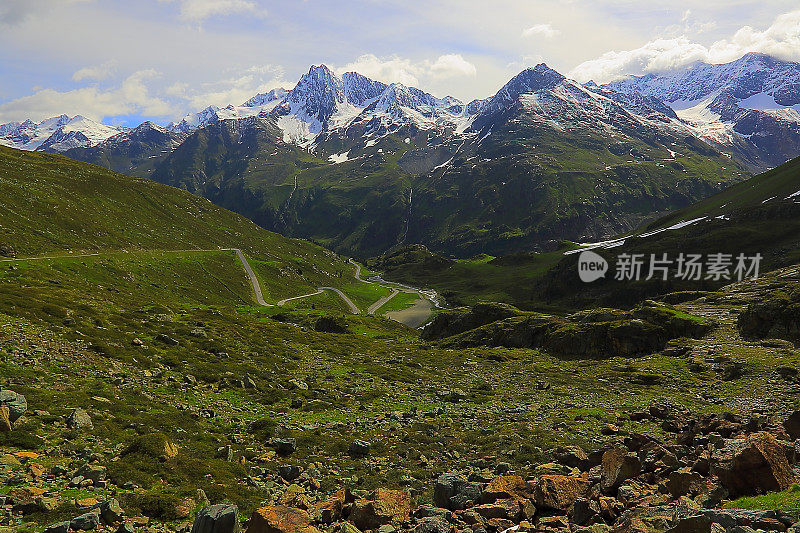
(593, 333)
(752, 465)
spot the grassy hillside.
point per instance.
(776, 184)
(52, 203)
(504, 192)
(755, 216)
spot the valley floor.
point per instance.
(265, 406)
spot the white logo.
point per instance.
(591, 266)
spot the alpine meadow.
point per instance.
(376, 267)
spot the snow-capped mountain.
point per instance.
(323, 102)
(56, 134)
(749, 108)
(755, 80)
(264, 99)
(751, 104)
(136, 151)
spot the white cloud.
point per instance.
(235, 89)
(781, 39)
(97, 73)
(402, 70)
(451, 65)
(199, 10)
(541, 30)
(13, 12)
(132, 96)
(392, 70)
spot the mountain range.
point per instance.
(362, 166)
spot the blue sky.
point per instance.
(126, 61)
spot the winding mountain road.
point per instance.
(260, 296)
(414, 317)
(253, 279)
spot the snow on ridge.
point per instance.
(75, 131)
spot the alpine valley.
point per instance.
(364, 167)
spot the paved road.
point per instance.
(414, 316)
(253, 279)
(283, 302)
(260, 297)
(353, 307)
(377, 305)
(65, 256)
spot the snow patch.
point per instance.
(339, 158)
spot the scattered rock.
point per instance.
(16, 403)
(752, 465)
(61, 527)
(280, 519)
(166, 339)
(359, 448)
(385, 507)
(507, 486)
(5, 419)
(556, 492)
(85, 522)
(220, 518)
(284, 446)
(452, 491)
(432, 525)
(79, 419)
(617, 466)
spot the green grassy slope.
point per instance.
(755, 216)
(53, 205)
(775, 184)
(506, 192)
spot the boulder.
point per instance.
(454, 492)
(110, 511)
(752, 465)
(583, 511)
(330, 510)
(386, 506)
(5, 419)
(792, 425)
(61, 527)
(506, 508)
(359, 448)
(432, 525)
(684, 481)
(285, 446)
(558, 493)
(94, 472)
(507, 486)
(16, 403)
(617, 466)
(85, 522)
(290, 472)
(220, 518)
(280, 519)
(79, 419)
(572, 456)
